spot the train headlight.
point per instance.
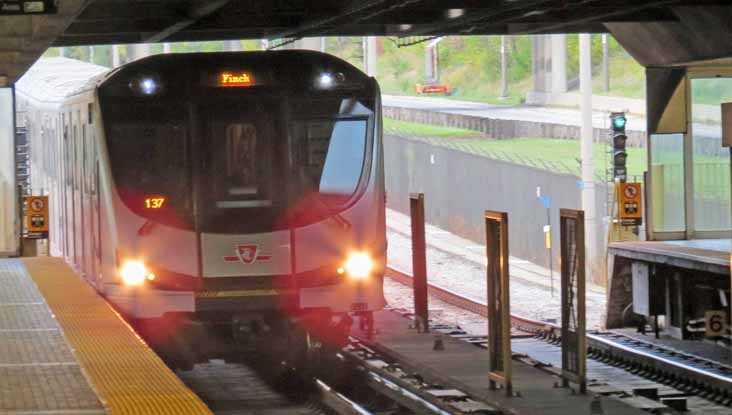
(134, 272)
(148, 86)
(325, 80)
(358, 265)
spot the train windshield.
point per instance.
(273, 161)
(238, 163)
(150, 157)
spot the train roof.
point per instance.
(51, 80)
(291, 65)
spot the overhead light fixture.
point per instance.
(33, 7)
(455, 13)
(404, 27)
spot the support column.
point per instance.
(541, 65)
(115, 56)
(586, 145)
(310, 43)
(504, 69)
(370, 58)
(559, 63)
(232, 45)
(137, 51)
(166, 47)
(605, 65)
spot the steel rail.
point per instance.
(714, 386)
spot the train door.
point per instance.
(95, 257)
(74, 187)
(65, 184)
(85, 217)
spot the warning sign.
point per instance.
(36, 216)
(631, 203)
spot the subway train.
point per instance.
(238, 188)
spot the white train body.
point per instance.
(214, 183)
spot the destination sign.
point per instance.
(235, 79)
(13, 7)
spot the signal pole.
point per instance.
(587, 150)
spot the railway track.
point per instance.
(357, 380)
(683, 371)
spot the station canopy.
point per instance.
(655, 32)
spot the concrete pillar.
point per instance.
(137, 51)
(62, 52)
(541, 62)
(91, 54)
(115, 56)
(322, 44)
(310, 43)
(586, 145)
(370, 56)
(166, 47)
(9, 226)
(232, 45)
(605, 65)
(559, 63)
(504, 69)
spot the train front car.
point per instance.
(246, 188)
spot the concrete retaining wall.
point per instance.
(459, 186)
(501, 129)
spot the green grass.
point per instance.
(412, 129)
(562, 152)
(544, 153)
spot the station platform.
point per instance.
(465, 366)
(64, 350)
(710, 255)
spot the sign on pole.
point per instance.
(36, 216)
(419, 262)
(574, 346)
(499, 309)
(631, 204)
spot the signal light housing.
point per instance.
(618, 140)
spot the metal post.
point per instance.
(549, 242)
(504, 69)
(605, 65)
(574, 346)
(419, 262)
(499, 308)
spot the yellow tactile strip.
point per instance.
(129, 377)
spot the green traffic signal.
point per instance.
(618, 122)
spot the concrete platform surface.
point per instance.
(65, 351)
(38, 370)
(465, 366)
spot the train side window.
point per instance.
(332, 153)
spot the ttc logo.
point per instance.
(247, 254)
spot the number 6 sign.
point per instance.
(715, 323)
